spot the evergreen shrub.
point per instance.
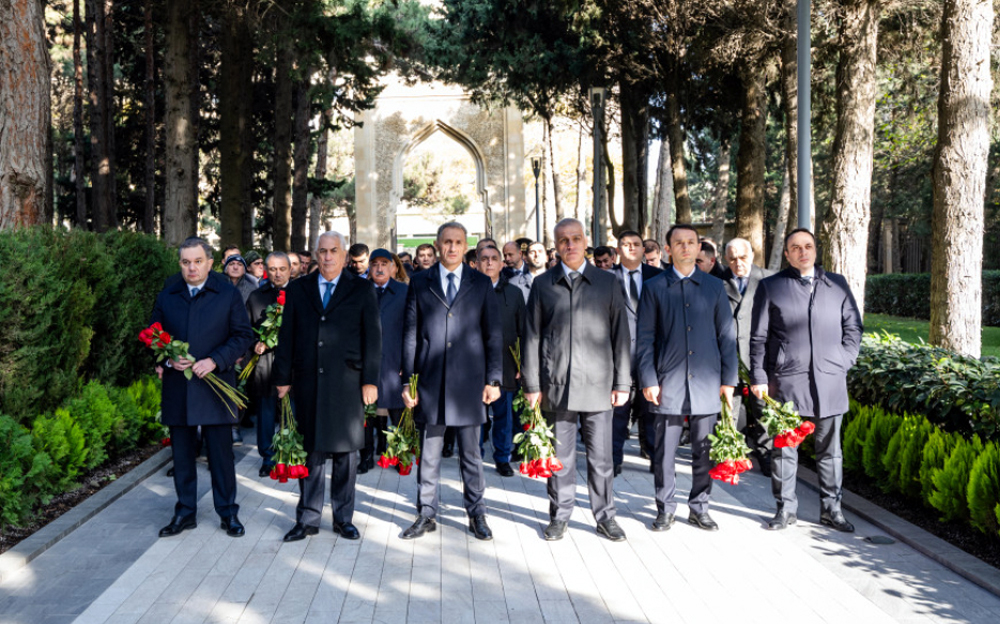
(60, 436)
(909, 294)
(883, 426)
(854, 437)
(936, 452)
(911, 458)
(984, 490)
(951, 482)
(892, 459)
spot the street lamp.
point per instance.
(597, 107)
(536, 168)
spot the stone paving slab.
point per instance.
(114, 569)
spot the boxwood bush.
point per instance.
(909, 294)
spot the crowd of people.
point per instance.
(610, 338)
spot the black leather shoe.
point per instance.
(363, 466)
(233, 526)
(555, 531)
(178, 524)
(836, 520)
(504, 469)
(237, 437)
(617, 470)
(346, 531)
(370, 463)
(420, 527)
(479, 528)
(611, 530)
(781, 521)
(448, 450)
(663, 522)
(702, 521)
(265, 471)
(299, 532)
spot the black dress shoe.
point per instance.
(346, 530)
(836, 520)
(611, 530)
(265, 471)
(299, 532)
(702, 521)
(618, 469)
(504, 469)
(233, 526)
(448, 450)
(420, 527)
(178, 524)
(555, 531)
(237, 437)
(363, 466)
(781, 521)
(479, 528)
(370, 463)
(170, 471)
(663, 522)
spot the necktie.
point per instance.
(327, 293)
(452, 291)
(381, 293)
(807, 280)
(194, 292)
(573, 276)
(633, 290)
(743, 285)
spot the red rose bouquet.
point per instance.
(781, 420)
(403, 441)
(267, 332)
(289, 454)
(535, 442)
(729, 449)
(167, 348)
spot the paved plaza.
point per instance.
(113, 568)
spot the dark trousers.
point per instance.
(218, 441)
(470, 464)
(266, 412)
(667, 435)
(596, 430)
(829, 469)
(634, 410)
(375, 440)
(503, 427)
(343, 475)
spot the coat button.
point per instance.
(689, 328)
(690, 375)
(322, 318)
(321, 371)
(687, 305)
(450, 315)
(449, 345)
(690, 352)
(319, 344)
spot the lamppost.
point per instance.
(803, 164)
(536, 168)
(597, 107)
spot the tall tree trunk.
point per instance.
(250, 140)
(750, 161)
(544, 204)
(784, 215)
(283, 113)
(845, 228)
(180, 141)
(300, 184)
(675, 134)
(109, 109)
(960, 161)
(664, 193)
(721, 204)
(553, 171)
(194, 55)
(609, 186)
(100, 117)
(630, 166)
(78, 152)
(235, 89)
(316, 203)
(581, 172)
(790, 107)
(149, 214)
(25, 114)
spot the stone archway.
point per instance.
(406, 116)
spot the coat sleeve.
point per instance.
(410, 334)
(371, 322)
(759, 328)
(532, 344)
(645, 338)
(725, 329)
(850, 320)
(240, 335)
(281, 374)
(492, 328)
(621, 341)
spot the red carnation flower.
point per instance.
(526, 427)
(746, 391)
(383, 462)
(281, 298)
(807, 427)
(165, 441)
(404, 469)
(554, 464)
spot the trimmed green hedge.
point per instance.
(909, 294)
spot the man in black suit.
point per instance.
(261, 387)
(209, 315)
(805, 336)
(576, 329)
(632, 273)
(454, 341)
(708, 260)
(516, 271)
(392, 312)
(329, 351)
(686, 353)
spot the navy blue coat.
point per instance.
(392, 310)
(803, 343)
(686, 342)
(214, 324)
(456, 350)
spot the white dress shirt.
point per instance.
(458, 278)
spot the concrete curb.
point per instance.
(928, 544)
(22, 554)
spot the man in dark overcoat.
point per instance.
(805, 336)
(329, 351)
(261, 387)
(453, 341)
(209, 315)
(576, 330)
(686, 353)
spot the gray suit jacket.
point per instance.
(742, 305)
(576, 347)
(648, 272)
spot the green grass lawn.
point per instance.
(915, 330)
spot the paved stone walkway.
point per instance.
(115, 569)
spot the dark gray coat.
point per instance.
(648, 272)
(326, 355)
(260, 380)
(803, 343)
(686, 342)
(512, 312)
(742, 305)
(392, 310)
(576, 347)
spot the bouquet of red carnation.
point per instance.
(781, 420)
(290, 456)
(729, 449)
(535, 442)
(167, 348)
(403, 441)
(267, 332)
